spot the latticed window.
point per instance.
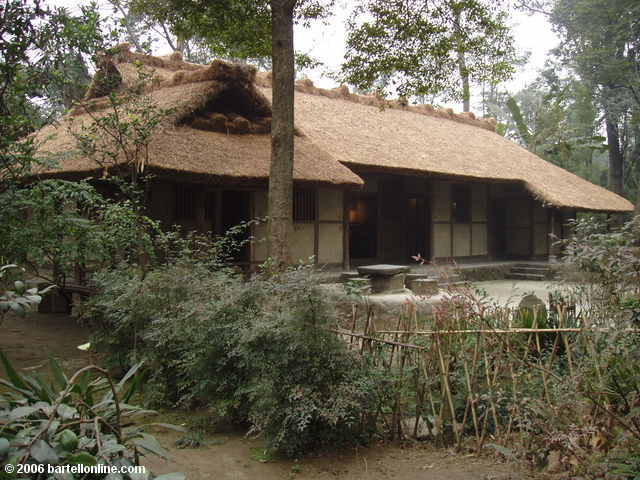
(304, 206)
(461, 203)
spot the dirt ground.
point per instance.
(30, 341)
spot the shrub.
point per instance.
(14, 295)
(606, 268)
(255, 351)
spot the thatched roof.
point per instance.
(366, 133)
(177, 149)
(336, 130)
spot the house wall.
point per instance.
(527, 223)
(453, 239)
(322, 238)
(162, 202)
(330, 226)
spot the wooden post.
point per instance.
(552, 228)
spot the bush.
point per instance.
(606, 268)
(256, 352)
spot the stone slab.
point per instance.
(382, 270)
(387, 283)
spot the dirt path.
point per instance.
(30, 341)
(232, 457)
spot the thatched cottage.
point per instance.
(374, 181)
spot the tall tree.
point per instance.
(427, 47)
(254, 29)
(43, 54)
(281, 171)
(601, 41)
(555, 117)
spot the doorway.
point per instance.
(363, 226)
(418, 221)
(236, 208)
(498, 235)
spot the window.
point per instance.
(461, 203)
(185, 202)
(304, 205)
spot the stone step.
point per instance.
(526, 276)
(454, 277)
(345, 276)
(534, 270)
(457, 284)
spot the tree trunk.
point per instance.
(464, 75)
(281, 172)
(616, 159)
(462, 63)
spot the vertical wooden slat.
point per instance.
(199, 198)
(219, 228)
(346, 261)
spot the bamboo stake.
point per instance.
(445, 378)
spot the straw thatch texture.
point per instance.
(361, 134)
(176, 148)
(334, 128)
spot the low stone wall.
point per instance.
(484, 273)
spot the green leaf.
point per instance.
(82, 458)
(111, 448)
(66, 412)
(169, 426)
(42, 452)
(11, 386)
(58, 375)
(12, 375)
(21, 412)
(68, 440)
(149, 443)
(4, 447)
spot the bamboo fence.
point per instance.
(465, 382)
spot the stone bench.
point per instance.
(385, 278)
(54, 301)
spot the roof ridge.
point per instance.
(122, 54)
(264, 79)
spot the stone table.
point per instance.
(385, 278)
